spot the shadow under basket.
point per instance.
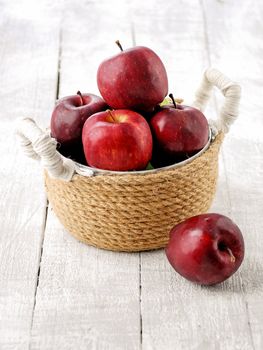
(134, 212)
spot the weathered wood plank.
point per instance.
(87, 298)
(176, 33)
(28, 73)
(176, 313)
(243, 150)
(88, 37)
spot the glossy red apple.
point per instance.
(70, 114)
(206, 249)
(118, 140)
(178, 133)
(133, 79)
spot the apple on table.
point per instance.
(206, 249)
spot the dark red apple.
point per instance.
(70, 114)
(178, 132)
(118, 140)
(206, 249)
(133, 79)
(67, 121)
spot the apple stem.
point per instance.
(81, 97)
(172, 98)
(232, 257)
(119, 44)
(110, 113)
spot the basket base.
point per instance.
(121, 249)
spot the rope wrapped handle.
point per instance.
(38, 144)
(232, 93)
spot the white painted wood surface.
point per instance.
(190, 316)
(56, 293)
(28, 73)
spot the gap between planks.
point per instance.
(57, 96)
(140, 295)
(133, 35)
(47, 202)
(215, 102)
(39, 263)
(60, 41)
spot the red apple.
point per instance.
(206, 249)
(133, 79)
(70, 114)
(118, 140)
(178, 132)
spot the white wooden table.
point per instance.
(56, 293)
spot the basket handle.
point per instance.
(38, 144)
(232, 92)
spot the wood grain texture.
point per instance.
(176, 33)
(28, 73)
(176, 313)
(243, 150)
(89, 32)
(86, 298)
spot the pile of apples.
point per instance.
(128, 128)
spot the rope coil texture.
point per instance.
(134, 212)
(38, 144)
(230, 90)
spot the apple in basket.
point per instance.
(119, 140)
(178, 132)
(69, 116)
(206, 249)
(133, 79)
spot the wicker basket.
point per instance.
(132, 211)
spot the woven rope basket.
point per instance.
(132, 211)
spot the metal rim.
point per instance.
(85, 170)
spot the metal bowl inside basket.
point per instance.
(88, 171)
